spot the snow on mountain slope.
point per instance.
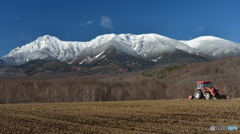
(214, 47)
(46, 46)
(150, 46)
(146, 45)
(153, 44)
(49, 46)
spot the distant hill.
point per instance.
(164, 82)
(180, 80)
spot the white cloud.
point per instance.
(199, 29)
(196, 32)
(17, 18)
(106, 22)
(89, 22)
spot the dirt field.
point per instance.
(161, 116)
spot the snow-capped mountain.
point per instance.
(147, 46)
(214, 47)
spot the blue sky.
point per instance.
(22, 21)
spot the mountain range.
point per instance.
(126, 51)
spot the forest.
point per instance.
(170, 82)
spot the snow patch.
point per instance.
(155, 60)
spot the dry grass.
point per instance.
(162, 116)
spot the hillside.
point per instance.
(224, 73)
(164, 82)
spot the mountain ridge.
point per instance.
(150, 46)
(214, 47)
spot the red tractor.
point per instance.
(205, 90)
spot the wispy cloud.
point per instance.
(198, 29)
(17, 18)
(196, 32)
(106, 22)
(89, 22)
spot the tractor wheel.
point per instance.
(207, 95)
(198, 94)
